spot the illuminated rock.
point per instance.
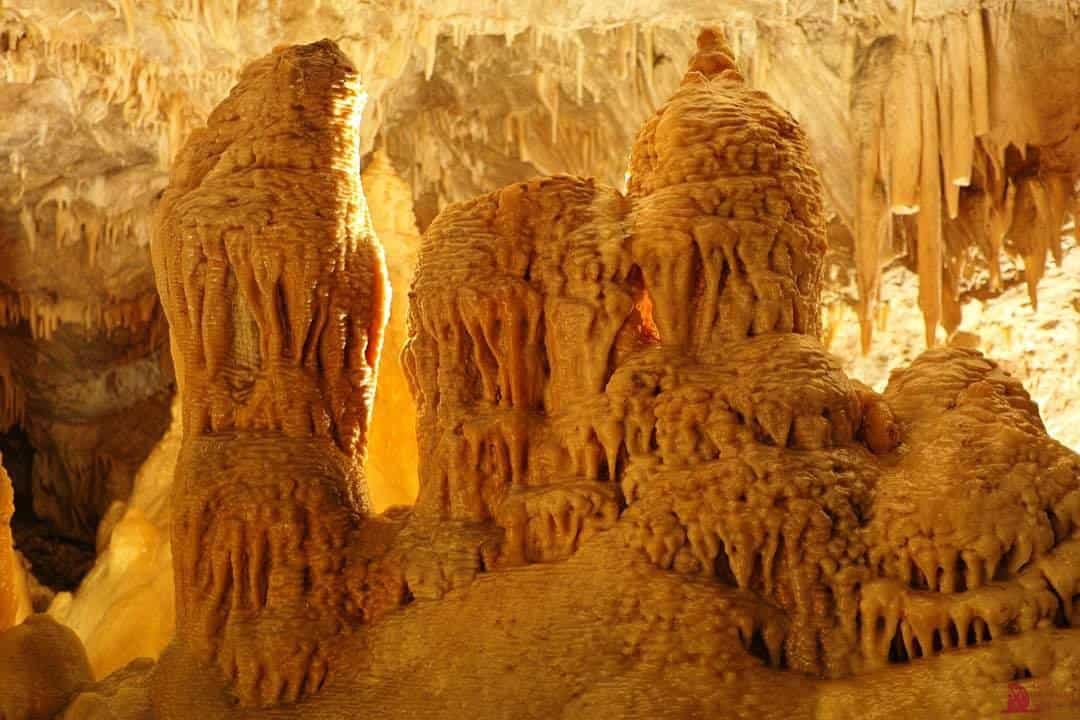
(124, 607)
(951, 125)
(9, 598)
(645, 489)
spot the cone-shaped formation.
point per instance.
(713, 59)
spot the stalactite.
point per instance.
(12, 397)
(980, 72)
(930, 214)
(547, 87)
(962, 134)
(872, 219)
(978, 174)
(579, 70)
(904, 133)
(45, 313)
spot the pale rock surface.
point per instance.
(1037, 346)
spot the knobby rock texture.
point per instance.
(978, 96)
(645, 489)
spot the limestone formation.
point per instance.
(955, 129)
(276, 295)
(645, 489)
(465, 97)
(124, 608)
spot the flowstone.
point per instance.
(646, 491)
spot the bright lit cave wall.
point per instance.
(947, 135)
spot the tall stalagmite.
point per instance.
(645, 490)
(276, 294)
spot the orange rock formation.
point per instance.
(8, 597)
(645, 489)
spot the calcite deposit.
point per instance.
(462, 98)
(645, 489)
(953, 128)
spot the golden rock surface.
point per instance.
(8, 593)
(645, 490)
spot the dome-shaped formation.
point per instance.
(727, 222)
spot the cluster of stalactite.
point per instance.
(948, 162)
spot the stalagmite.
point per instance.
(42, 666)
(285, 307)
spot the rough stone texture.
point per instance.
(96, 404)
(276, 294)
(125, 694)
(645, 488)
(101, 95)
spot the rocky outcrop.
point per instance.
(99, 108)
(645, 489)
